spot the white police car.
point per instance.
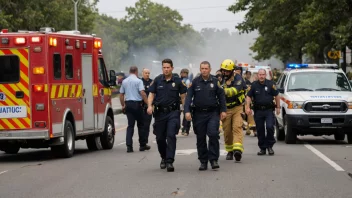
(316, 99)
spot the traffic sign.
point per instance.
(334, 54)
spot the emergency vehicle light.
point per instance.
(36, 39)
(20, 40)
(4, 31)
(38, 70)
(38, 88)
(297, 65)
(53, 42)
(97, 44)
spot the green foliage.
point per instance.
(290, 28)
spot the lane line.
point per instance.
(323, 157)
(3, 172)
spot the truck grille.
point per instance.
(325, 107)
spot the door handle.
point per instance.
(84, 91)
(101, 92)
(85, 101)
(19, 94)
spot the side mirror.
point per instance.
(112, 78)
(281, 90)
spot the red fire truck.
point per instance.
(54, 89)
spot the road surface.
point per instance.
(315, 167)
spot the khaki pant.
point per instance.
(233, 132)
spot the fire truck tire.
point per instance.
(93, 143)
(11, 149)
(108, 137)
(67, 149)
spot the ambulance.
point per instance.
(54, 90)
(316, 99)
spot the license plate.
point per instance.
(326, 120)
(13, 112)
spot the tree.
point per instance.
(33, 14)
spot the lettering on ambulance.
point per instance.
(15, 112)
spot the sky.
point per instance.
(199, 13)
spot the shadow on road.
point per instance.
(32, 155)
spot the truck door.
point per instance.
(15, 112)
(87, 81)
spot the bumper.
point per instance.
(24, 134)
(314, 121)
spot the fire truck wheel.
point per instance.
(108, 137)
(67, 149)
(11, 149)
(93, 143)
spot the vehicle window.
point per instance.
(57, 66)
(102, 71)
(10, 69)
(69, 66)
(278, 83)
(283, 83)
(318, 81)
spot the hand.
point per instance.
(123, 109)
(188, 116)
(223, 115)
(248, 111)
(277, 111)
(150, 110)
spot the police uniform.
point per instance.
(167, 116)
(234, 88)
(146, 117)
(263, 96)
(208, 101)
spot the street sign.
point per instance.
(334, 54)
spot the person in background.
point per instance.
(146, 117)
(219, 77)
(186, 125)
(131, 95)
(250, 118)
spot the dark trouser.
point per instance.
(146, 124)
(134, 113)
(166, 128)
(207, 123)
(186, 125)
(267, 117)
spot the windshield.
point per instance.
(318, 81)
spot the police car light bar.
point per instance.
(320, 66)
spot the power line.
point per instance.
(178, 9)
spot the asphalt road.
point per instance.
(316, 167)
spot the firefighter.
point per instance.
(250, 118)
(234, 88)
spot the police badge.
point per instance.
(173, 84)
(211, 85)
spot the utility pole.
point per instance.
(76, 2)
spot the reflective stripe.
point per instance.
(228, 148)
(238, 147)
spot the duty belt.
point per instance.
(264, 107)
(161, 109)
(208, 109)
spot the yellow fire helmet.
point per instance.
(227, 65)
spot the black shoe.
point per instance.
(214, 165)
(229, 156)
(143, 148)
(238, 155)
(262, 152)
(271, 151)
(203, 166)
(129, 149)
(170, 167)
(162, 164)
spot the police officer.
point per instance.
(234, 87)
(146, 117)
(263, 92)
(206, 93)
(164, 94)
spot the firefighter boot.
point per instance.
(238, 155)
(229, 156)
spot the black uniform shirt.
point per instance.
(263, 94)
(167, 92)
(205, 94)
(146, 84)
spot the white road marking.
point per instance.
(191, 151)
(323, 157)
(3, 172)
(121, 143)
(154, 142)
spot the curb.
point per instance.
(117, 111)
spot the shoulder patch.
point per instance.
(239, 82)
(184, 83)
(274, 87)
(219, 85)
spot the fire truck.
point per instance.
(54, 90)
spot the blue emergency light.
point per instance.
(297, 65)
